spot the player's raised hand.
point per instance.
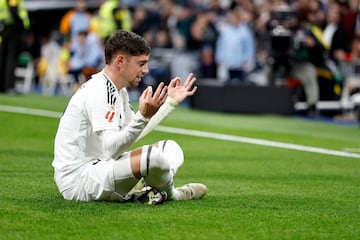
(149, 103)
(179, 91)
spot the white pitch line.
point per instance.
(30, 111)
(256, 141)
(196, 133)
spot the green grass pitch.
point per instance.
(255, 191)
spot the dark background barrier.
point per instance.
(214, 96)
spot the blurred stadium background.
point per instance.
(45, 16)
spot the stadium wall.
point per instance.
(214, 96)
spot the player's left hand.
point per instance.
(178, 91)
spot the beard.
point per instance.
(136, 81)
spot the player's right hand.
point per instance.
(150, 103)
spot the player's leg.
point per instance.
(149, 162)
(152, 163)
(174, 156)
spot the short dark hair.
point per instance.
(125, 42)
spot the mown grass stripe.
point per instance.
(196, 133)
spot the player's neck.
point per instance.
(114, 77)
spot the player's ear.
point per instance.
(119, 60)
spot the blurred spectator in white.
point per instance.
(351, 70)
(235, 47)
(75, 20)
(52, 67)
(86, 52)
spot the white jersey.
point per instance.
(95, 107)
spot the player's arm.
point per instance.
(164, 111)
(177, 92)
(116, 142)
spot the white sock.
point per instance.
(175, 194)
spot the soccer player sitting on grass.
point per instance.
(92, 160)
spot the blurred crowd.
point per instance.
(312, 45)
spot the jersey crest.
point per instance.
(110, 116)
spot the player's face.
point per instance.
(137, 67)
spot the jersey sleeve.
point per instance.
(169, 105)
(116, 142)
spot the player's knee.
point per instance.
(158, 160)
(158, 172)
(154, 161)
(171, 146)
(174, 147)
(174, 154)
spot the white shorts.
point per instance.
(97, 181)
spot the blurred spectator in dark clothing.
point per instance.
(203, 37)
(296, 47)
(14, 22)
(162, 39)
(349, 9)
(216, 7)
(271, 15)
(334, 33)
(184, 18)
(302, 8)
(334, 37)
(141, 21)
(312, 46)
(318, 13)
(261, 22)
(310, 52)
